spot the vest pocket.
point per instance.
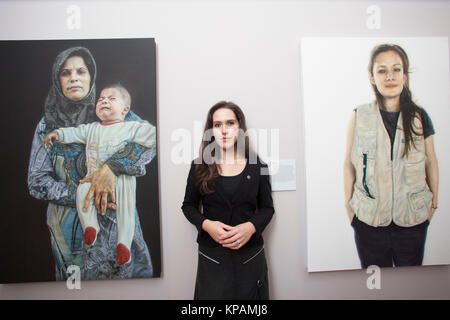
(363, 206)
(420, 204)
(415, 156)
(415, 170)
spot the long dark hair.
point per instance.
(206, 168)
(408, 109)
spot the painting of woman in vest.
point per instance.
(390, 171)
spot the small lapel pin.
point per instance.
(248, 177)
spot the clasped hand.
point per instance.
(229, 237)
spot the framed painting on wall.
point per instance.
(335, 81)
(73, 84)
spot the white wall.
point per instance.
(247, 52)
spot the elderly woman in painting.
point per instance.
(53, 176)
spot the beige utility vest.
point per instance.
(386, 189)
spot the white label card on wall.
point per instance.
(284, 177)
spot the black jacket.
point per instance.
(251, 202)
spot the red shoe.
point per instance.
(90, 235)
(123, 254)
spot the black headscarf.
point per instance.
(62, 112)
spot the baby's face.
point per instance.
(110, 106)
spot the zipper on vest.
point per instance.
(392, 176)
(364, 176)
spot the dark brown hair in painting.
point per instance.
(409, 110)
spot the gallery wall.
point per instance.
(247, 52)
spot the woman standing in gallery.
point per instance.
(233, 187)
(390, 171)
(54, 174)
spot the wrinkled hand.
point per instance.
(237, 236)
(103, 185)
(49, 138)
